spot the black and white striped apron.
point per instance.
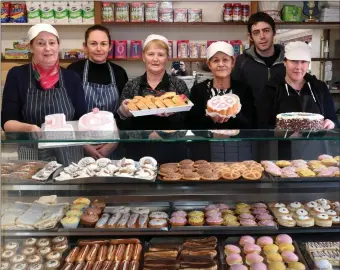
(103, 97)
(37, 105)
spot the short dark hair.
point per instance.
(99, 28)
(260, 17)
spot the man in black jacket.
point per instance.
(263, 60)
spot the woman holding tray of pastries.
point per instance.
(156, 82)
(220, 60)
(41, 88)
(103, 81)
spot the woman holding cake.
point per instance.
(298, 91)
(103, 81)
(41, 88)
(220, 60)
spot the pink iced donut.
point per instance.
(179, 214)
(321, 157)
(212, 207)
(251, 248)
(178, 221)
(289, 256)
(234, 259)
(257, 211)
(230, 249)
(258, 266)
(222, 206)
(238, 267)
(288, 169)
(264, 240)
(253, 258)
(259, 205)
(213, 213)
(246, 216)
(283, 238)
(267, 223)
(246, 239)
(248, 222)
(264, 217)
(214, 220)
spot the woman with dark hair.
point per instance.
(103, 81)
(41, 88)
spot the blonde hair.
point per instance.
(158, 43)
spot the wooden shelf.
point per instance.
(326, 59)
(54, 24)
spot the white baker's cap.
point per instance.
(298, 50)
(155, 37)
(41, 27)
(220, 46)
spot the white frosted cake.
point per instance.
(299, 121)
(57, 124)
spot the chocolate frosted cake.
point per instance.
(299, 121)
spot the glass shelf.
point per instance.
(169, 136)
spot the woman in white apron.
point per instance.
(41, 88)
(103, 81)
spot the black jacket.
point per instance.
(275, 91)
(251, 70)
(200, 94)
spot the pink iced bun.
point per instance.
(324, 157)
(264, 240)
(222, 206)
(230, 249)
(246, 216)
(257, 211)
(214, 220)
(238, 267)
(234, 259)
(289, 256)
(259, 205)
(213, 213)
(248, 222)
(264, 217)
(283, 238)
(267, 223)
(253, 258)
(211, 207)
(251, 248)
(258, 266)
(179, 214)
(246, 239)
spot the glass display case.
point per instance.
(238, 179)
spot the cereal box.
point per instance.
(18, 13)
(5, 9)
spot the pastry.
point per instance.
(283, 239)
(94, 210)
(157, 223)
(336, 220)
(274, 257)
(214, 221)
(43, 242)
(186, 161)
(264, 216)
(5, 266)
(43, 251)
(323, 220)
(158, 215)
(304, 221)
(317, 210)
(167, 170)
(283, 163)
(264, 241)
(238, 267)
(240, 211)
(102, 222)
(305, 173)
(246, 216)
(294, 206)
(311, 205)
(243, 206)
(276, 266)
(248, 222)
(323, 264)
(258, 266)
(34, 259)
(29, 251)
(122, 223)
(286, 247)
(282, 211)
(276, 205)
(59, 240)
(52, 265)
(89, 219)
(196, 220)
(323, 201)
(193, 176)
(79, 206)
(186, 167)
(267, 223)
(296, 266)
(251, 248)
(324, 156)
(19, 266)
(30, 242)
(257, 211)
(18, 259)
(196, 213)
(271, 248)
(246, 239)
(234, 259)
(179, 214)
(252, 175)
(229, 217)
(329, 162)
(289, 256)
(213, 213)
(12, 246)
(232, 223)
(253, 258)
(286, 221)
(231, 175)
(210, 176)
(54, 255)
(226, 105)
(275, 171)
(132, 223)
(82, 200)
(70, 222)
(140, 210)
(200, 162)
(230, 249)
(331, 213)
(143, 221)
(258, 205)
(300, 212)
(178, 221)
(172, 176)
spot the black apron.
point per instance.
(37, 105)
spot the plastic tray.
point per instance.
(163, 110)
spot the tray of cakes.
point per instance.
(182, 253)
(42, 214)
(264, 252)
(322, 254)
(87, 216)
(169, 102)
(105, 254)
(326, 167)
(321, 213)
(104, 170)
(34, 253)
(204, 171)
(222, 217)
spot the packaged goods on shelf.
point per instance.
(18, 13)
(136, 12)
(108, 11)
(16, 54)
(122, 12)
(291, 13)
(165, 4)
(194, 49)
(228, 12)
(76, 12)
(171, 48)
(194, 15)
(209, 42)
(245, 13)
(33, 12)
(121, 49)
(237, 45)
(135, 49)
(88, 12)
(73, 54)
(180, 15)
(151, 12)
(112, 51)
(182, 48)
(166, 15)
(61, 12)
(203, 50)
(21, 45)
(237, 12)
(47, 12)
(5, 10)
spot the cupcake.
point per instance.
(70, 222)
(98, 204)
(74, 212)
(196, 221)
(79, 206)
(196, 213)
(179, 214)
(89, 220)
(94, 210)
(214, 221)
(82, 200)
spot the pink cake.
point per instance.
(57, 124)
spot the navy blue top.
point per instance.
(17, 84)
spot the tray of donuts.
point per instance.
(33, 253)
(105, 254)
(318, 213)
(261, 253)
(222, 217)
(141, 217)
(202, 170)
(182, 253)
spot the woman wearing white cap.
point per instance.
(298, 91)
(40, 88)
(220, 60)
(155, 81)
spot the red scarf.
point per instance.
(46, 77)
